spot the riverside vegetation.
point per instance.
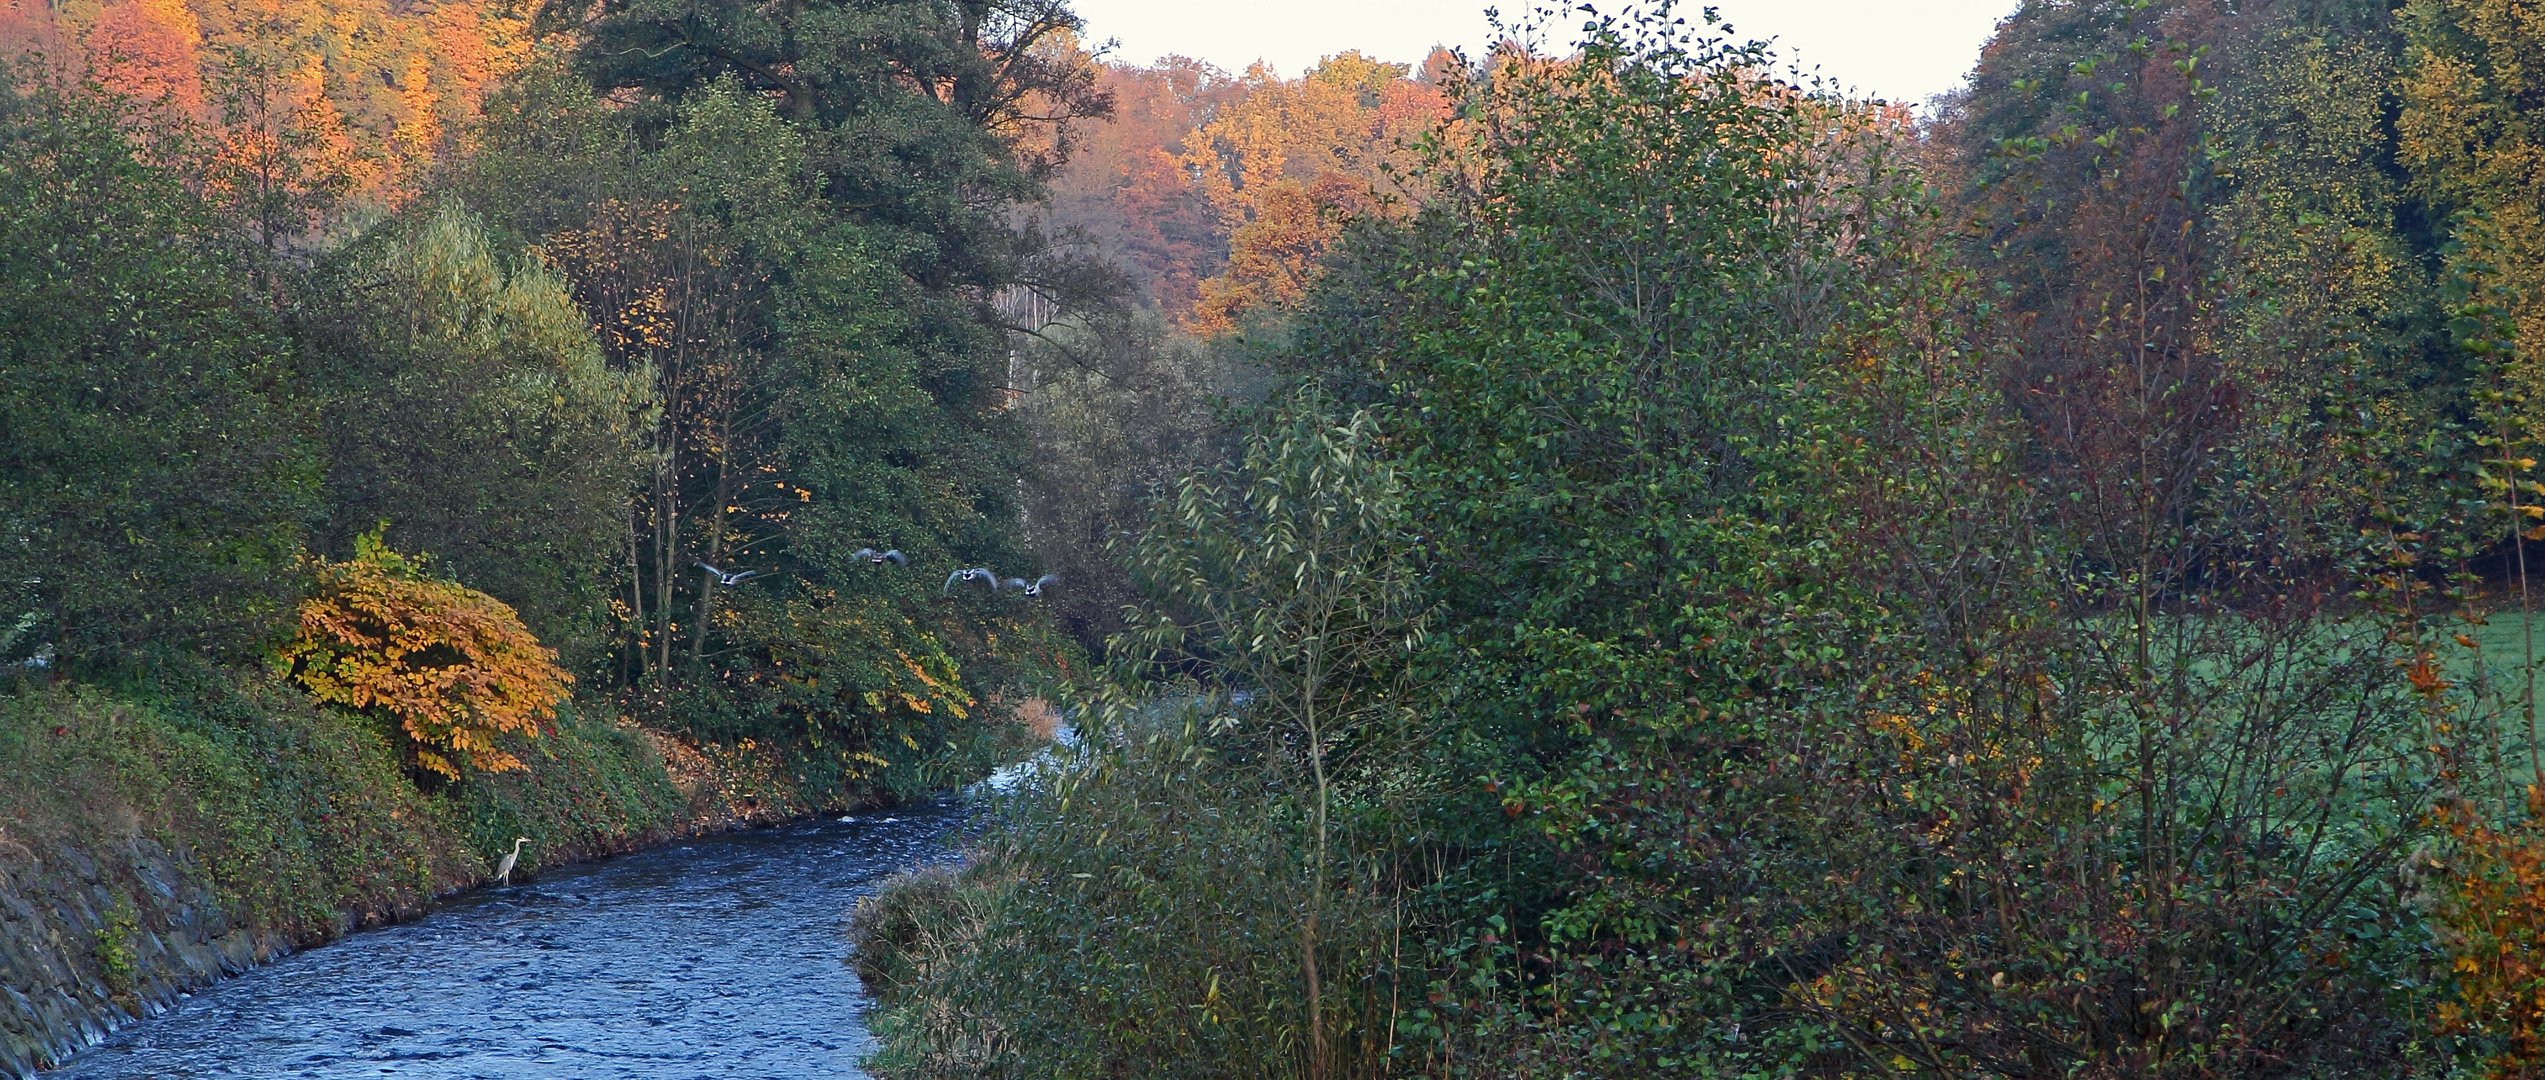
(1594, 560)
(1734, 580)
(352, 494)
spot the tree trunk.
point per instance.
(715, 548)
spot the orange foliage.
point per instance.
(380, 86)
(151, 49)
(418, 132)
(1243, 181)
(453, 666)
(1272, 259)
(27, 26)
(1287, 164)
(2495, 931)
(1122, 186)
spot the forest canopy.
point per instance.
(1603, 559)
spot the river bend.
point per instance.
(721, 957)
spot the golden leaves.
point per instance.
(2494, 926)
(453, 666)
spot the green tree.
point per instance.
(1798, 688)
(1120, 414)
(1293, 581)
(468, 405)
(154, 484)
(816, 400)
(926, 120)
(1240, 801)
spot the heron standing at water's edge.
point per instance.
(504, 869)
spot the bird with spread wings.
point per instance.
(731, 577)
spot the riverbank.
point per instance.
(152, 842)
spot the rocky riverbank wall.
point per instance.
(146, 852)
(92, 937)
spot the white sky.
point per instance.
(1906, 50)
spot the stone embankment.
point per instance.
(90, 937)
(96, 932)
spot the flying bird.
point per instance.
(1036, 589)
(732, 577)
(879, 558)
(977, 573)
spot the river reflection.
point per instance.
(720, 958)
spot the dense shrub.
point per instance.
(153, 482)
(1139, 912)
(451, 667)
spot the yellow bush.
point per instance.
(2494, 927)
(453, 666)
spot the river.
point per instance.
(722, 957)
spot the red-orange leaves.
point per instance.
(453, 666)
(2494, 926)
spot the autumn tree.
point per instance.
(1290, 160)
(283, 164)
(1124, 188)
(150, 51)
(2475, 143)
(451, 667)
(389, 85)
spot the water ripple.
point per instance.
(719, 958)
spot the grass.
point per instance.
(295, 814)
(304, 821)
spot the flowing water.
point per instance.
(723, 957)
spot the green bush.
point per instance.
(296, 813)
(1140, 915)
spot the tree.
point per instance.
(467, 404)
(151, 52)
(1123, 189)
(2472, 138)
(815, 400)
(154, 484)
(1292, 579)
(1276, 255)
(1288, 161)
(1109, 439)
(453, 668)
(1825, 654)
(921, 116)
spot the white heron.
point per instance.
(731, 577)
(504, 869)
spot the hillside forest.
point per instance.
(1604, 556)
